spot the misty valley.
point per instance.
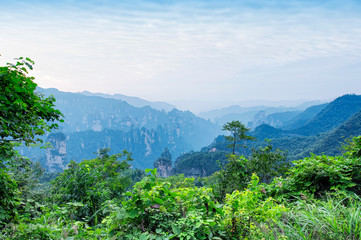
(92, 123)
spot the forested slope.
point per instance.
(332, 116)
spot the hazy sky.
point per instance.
(189, 50)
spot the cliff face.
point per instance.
(144, 144)
(92, 122)
(164, 167)
(56, 154)
(94, 113)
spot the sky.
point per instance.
(190, 53)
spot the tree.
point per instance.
(24, 113)
(238, 134)
(268, 164)
(233, 176)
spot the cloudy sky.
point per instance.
(189, 51)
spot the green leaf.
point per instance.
(158, 200)
(176, 229)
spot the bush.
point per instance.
(249, 212)
(163, 210)
(91, 183)
(320, 174)
(8, 198)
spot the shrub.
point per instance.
(91, 183)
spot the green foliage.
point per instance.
(26, 174)
(233, 176)
(180, 181)
(24, 113)
(8, 199)
(353, 147)
(161, 209)
(56, 222)
(135, 175)
(319, 174)
(91, 183)
(247, 212)
(238, 134)
(175, 208)
(336, 217)
(267, 163)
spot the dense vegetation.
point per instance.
(258, 197)
(316, 198)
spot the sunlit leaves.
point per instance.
(24, 113)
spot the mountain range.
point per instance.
(256, 115)
(319, 129)
(134, 101)
(94, 122)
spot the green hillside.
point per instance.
(304, 117)
(324, 134)
(332, 116)
(332, 141)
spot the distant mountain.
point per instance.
(247, 114)
(304, 117)
(331, 142)
(276, 119)
(332, 116)
(323, 134)
(98, 113)
(234, 109)
(331, 124)
(134, 101)
(146, 145)
(326, 128)
(93, 122)
(245, 117)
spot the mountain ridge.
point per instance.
(134, 101)
(332, 116)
